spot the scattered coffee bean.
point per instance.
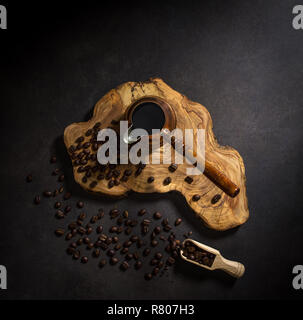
(129, 256)
(154, 243)
(67, 209)
(76, 255)
(57, 205)
(158, 255)
(29, 178)
(146, 252)
(124, 250)
(102, 263)
(157, 215)
(124, 266)
(47, 194)
(216, 198)
(59, 214)
(196, 197)
(157, 230)
(114, 260)
(150, 179)
(189, 180)
(99, 229)
(138, 265)
(178, 221)
(170, 261)
(61, 178)
(148, 276)
(167, 181)
(80, 204)
(61, 189)
(59, 232)
(82, 216)
(37, 199)
(173, 167)
(68, 236)
(142, 212)
(84, 259)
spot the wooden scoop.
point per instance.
(235, 269)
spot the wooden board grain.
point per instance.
(226, 213)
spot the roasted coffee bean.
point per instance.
(57, 205)
(120, 221)
(153, 235)
(114, 260)
(157, 230)
(67, 209)
(154, 243)
(136, 255)
(93, 184)
(79, 241)
(160, 264)
(133, 223)
(124, 179)
(100, 214)
(128, 231)
(82, 216)
(81, 230)
(113, 229)
(142, 212)
(99, 229)
(148, 276)
(127, 172)
(55, 172)
(154, 262)
(76, 255)
(146, 222)
(72, 226)
(86, 145)
(53, 159)
(47, 194)
(84, 179)
(61, 189)
(59, 232)
(128, 256)
(150, 179)
(158, 255)
(86, 240)
(216, 198)
(173, 167)
(102, 263)
(73, 245)
(162, 238)
(67, 195)
(156, 271)
(109, 240)
(134, 238)
(124, 250)
(189, 233)
(196, 197)
(96, 253)
(178, 221)
(138, 172)
(68, 236)
(114, 213)
(61, 178)
(89, 246)
(93, 219)
(145, 230)
(120, 229)
(37, 199)
(170, 261)
(100, 176)
(146, 252)
(189, 180)
(118, 246)
(97, 125)
(103, 237)
(140, 243)
(29, 178)
(167, 181)
(165, 222)
(157, 215)
(89, 132)
(115, 239)
(125, 214)
(79, 139)
(124, 266)
(168, 248)
(59, 214)
(55, 193)
(89, 230)
(138, 265)
(84, 259)
(80, 204)
(111, 183)
(127, 244)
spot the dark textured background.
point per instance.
(241, 59)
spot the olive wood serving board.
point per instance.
(225, 213)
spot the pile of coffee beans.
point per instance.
(197, 254)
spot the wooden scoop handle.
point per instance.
(233, 268)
